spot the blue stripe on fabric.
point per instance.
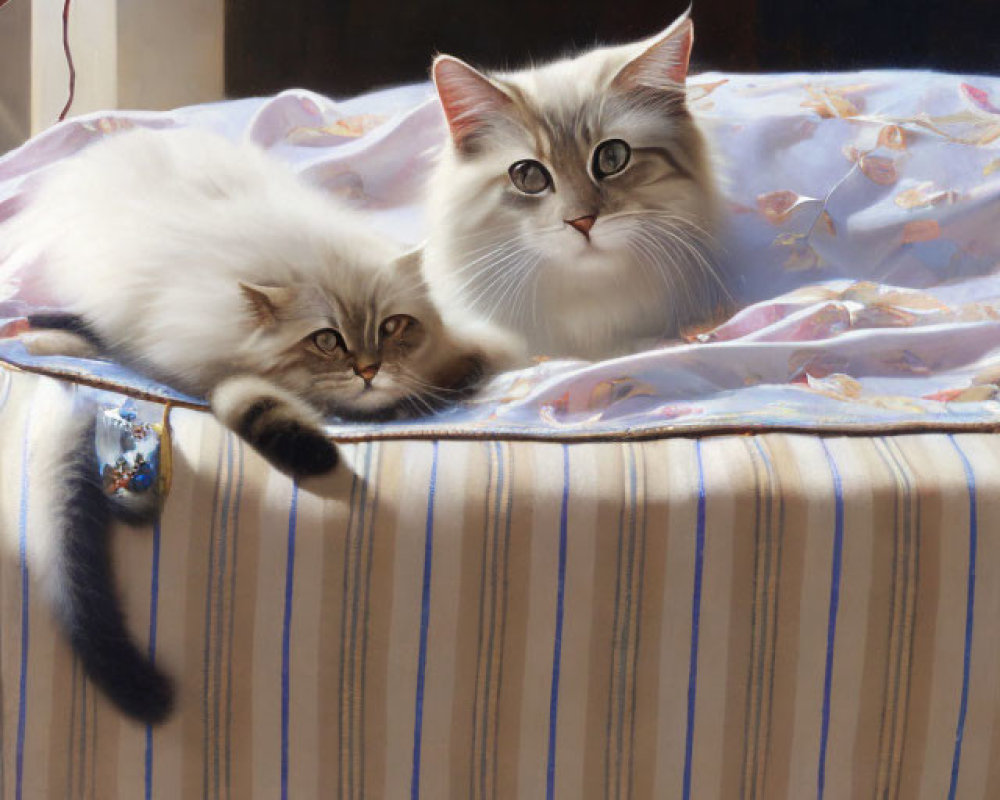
(206, 662)
(154, 593)
(343, 695)
(831, 629)
(366, 618)
(699, 557)
(232, 613)
(286, 632)
(357, 686)
(497, 587)
(425, 614)
(550, 772)
(22, 545)
(970, 482)
(219, 608)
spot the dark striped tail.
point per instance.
(87, 604)
(72, 323)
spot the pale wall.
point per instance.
(149, 54)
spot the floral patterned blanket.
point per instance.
(863, 246)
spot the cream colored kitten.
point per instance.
(214, 268)
(574, 202)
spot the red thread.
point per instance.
(69, 61)
(69, 57)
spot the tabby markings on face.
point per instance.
(575, 203)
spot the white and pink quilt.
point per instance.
(863, 244)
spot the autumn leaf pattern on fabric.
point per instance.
(863, 247)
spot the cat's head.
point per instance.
(587, 172)
(368, 345)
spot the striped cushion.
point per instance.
(772, 616)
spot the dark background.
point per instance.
(343, 47)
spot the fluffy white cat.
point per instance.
(214, 268)
(574, 202)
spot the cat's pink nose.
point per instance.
(368, 371)
(583, 224)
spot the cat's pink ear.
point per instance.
(410, 264)
(663, 62)
(467, 96)
(266, 301)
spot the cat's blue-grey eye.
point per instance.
(328, 340)
(611, 157)
(397, 325)
(529, 177)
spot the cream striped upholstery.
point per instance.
(770, 616)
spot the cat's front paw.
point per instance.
(478, 351)
(297, 449)
(279, 425)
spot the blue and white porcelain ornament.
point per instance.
(131, 459)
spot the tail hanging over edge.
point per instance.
(85, 601)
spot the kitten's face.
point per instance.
(571, 185)
(366, 350)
